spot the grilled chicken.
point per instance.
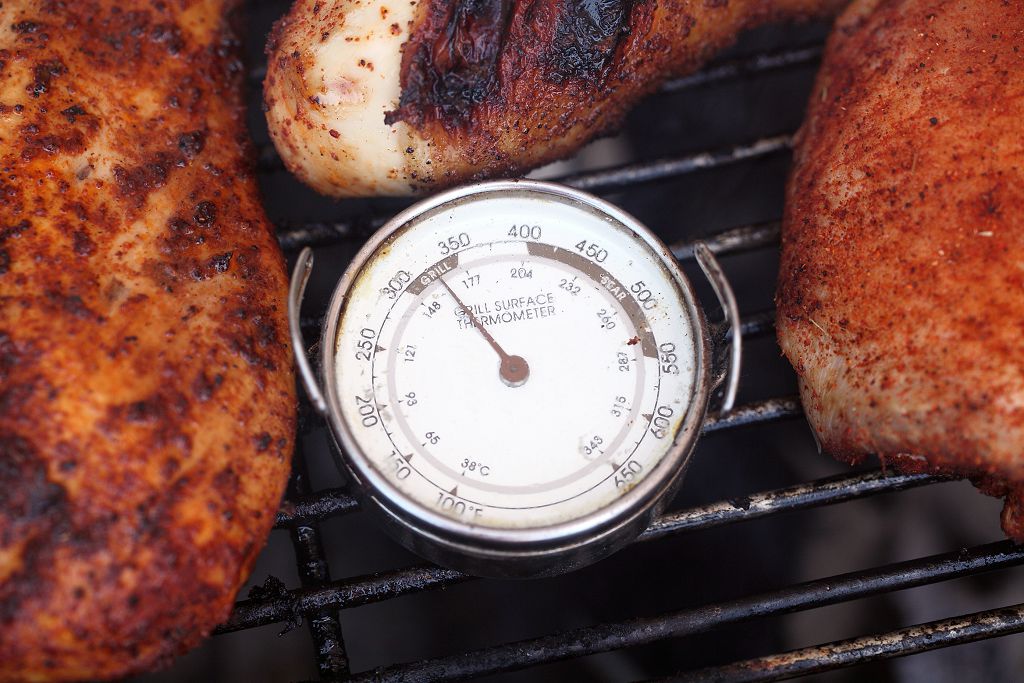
(146, 392)
(383, 97)
(901, 292)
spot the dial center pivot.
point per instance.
(513, 370)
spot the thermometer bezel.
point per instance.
(511, 552)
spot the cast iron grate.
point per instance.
(319, 599)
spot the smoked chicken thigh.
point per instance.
(901, 292)
(381, 97)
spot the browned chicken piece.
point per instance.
(371, 97)
(146, 391)
(901, 293)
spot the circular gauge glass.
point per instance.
(514, 367)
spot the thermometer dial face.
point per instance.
(514, 363)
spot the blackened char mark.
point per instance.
(33, 511)
(586, 36)
(44, 73)
(29, 494)
(450, 64)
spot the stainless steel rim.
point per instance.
(637, 501)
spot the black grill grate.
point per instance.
(639, 631)
(320, 598)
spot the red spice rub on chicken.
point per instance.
(901, 292)
(146, 390)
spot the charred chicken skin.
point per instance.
(901, 292)
(382, 97)
(146, 392)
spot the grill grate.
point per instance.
(320, 598)
(900, 643)
(686, 622)
(363, 590)
(332, 661)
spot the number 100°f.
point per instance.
(453, 505)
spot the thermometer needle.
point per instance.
(513, 370)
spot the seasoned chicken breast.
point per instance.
(901, 292)
(146, 391)
(380, 97)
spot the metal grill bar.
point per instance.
(353, 592)
(362, 590)
(733, 241)
(756, 325)
(845, 653)
(748, 66)
(613, 636)
(334, 502)
(769, 410)
(800, 497)
(315, 508)
(324, 627)
(629, 175)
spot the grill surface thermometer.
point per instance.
(515, 374)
